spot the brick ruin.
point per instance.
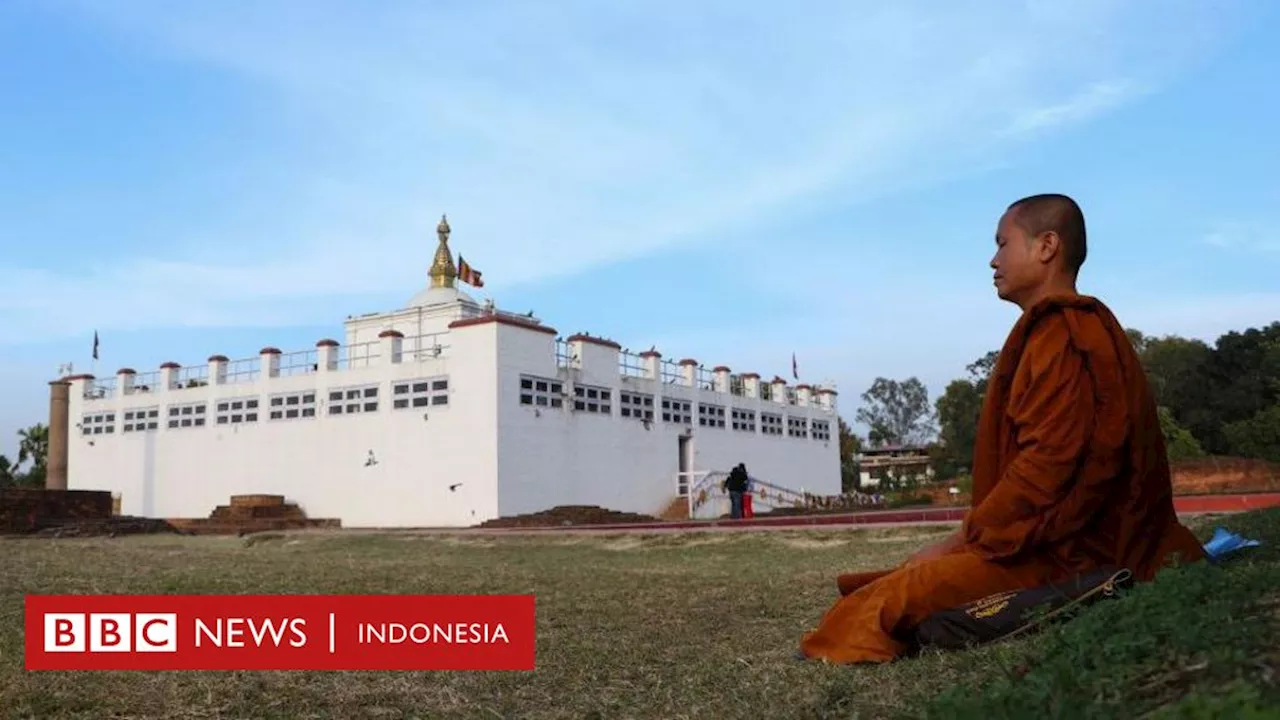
(253, 513)
(83, 513)
(30, 510)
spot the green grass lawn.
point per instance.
(673, 626)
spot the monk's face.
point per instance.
(1020, 262)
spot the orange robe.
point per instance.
(1069, 474)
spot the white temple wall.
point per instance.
(583, 457)
(392, 467)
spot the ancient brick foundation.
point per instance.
(253, 513)
(568, 515)
(29, 510)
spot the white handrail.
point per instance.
(701, 487)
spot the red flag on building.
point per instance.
(468, 274)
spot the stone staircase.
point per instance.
(710, 500)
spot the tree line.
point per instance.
(33, 452)
(1221, 399)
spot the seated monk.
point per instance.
(1069, 468)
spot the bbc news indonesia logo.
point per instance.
(280, 632)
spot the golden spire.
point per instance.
(443, 272)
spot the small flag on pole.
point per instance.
(468, 274)
(95, 344)
(795, 371)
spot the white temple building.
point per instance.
(447, 413)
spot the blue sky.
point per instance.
(722, 179)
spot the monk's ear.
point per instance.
(1048, 245)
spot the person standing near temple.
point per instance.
(736, 485)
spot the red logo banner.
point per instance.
(280, 632)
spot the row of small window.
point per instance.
(430, 392)
(542, 392)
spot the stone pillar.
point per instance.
(827, 398)
(721, 381)
(124, 381)
(218, 369)
(55, 477)
(597, 358)
(751, 385)
(326, 355)
(689, 372)
(269, 363)
(651, 361)
(780, 391)
(392, 345)
(169, 376)
(804, 395)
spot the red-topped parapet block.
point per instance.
(392, 344)
(124, 380)
(688, 372)
(596, 358)
(218, 369)
(721, 380)
(593, 340)
(651, 361)
(804, 395)
(779, 392)
(169, 375)
(827, 397)
(269, 362)
(326, 355)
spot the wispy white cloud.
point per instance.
(1248, 236)
(563, 136)
(1092, 101)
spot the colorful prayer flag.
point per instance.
(468, 274)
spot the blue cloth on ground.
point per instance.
(1225, 542)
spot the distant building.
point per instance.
(898, 461)
(445, 413)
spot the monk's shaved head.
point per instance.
(1039, 214)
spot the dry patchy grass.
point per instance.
(661, 625)
(670, 625)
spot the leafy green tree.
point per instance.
(1137, 339)
(6, 472)
(1239, 386)
(1257, 437)
(1178, 372)
(897, 413)
(958, 409)
(1179, 443)
(850, 446)
(33, 447)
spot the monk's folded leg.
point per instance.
(861, 626)
(849, 582)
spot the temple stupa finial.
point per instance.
(443, 272)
